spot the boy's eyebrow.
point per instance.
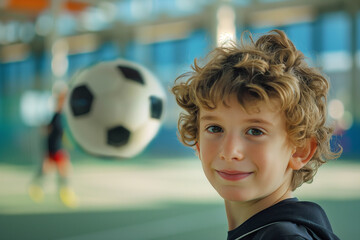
(209, 118)
(258, 120)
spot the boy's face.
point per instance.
(245, 156)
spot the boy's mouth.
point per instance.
(232, 175)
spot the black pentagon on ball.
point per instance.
(156, 107)
(131, 74)
(81, 100)
(118, 136)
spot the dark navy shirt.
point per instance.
(289, 219)
(54, 141)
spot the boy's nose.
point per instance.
(232, 148)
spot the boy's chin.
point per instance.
(234, 196)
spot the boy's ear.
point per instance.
(197, 149)
(303, 154)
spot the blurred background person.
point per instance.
(55, 155)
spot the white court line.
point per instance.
(160, 228)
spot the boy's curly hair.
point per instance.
(270, 68)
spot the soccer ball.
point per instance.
(115, 108)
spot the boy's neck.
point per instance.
(238, 212)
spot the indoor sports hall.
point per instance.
(158, 191)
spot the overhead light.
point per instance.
(226, 29)
(336, 109)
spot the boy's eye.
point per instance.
(214, 129)
(255, 132)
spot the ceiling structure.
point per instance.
(89, 22)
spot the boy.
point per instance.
(255, 115)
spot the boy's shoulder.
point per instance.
(288, 219)
(283, 231)
(276, 231)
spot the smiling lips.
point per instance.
(233, 175)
